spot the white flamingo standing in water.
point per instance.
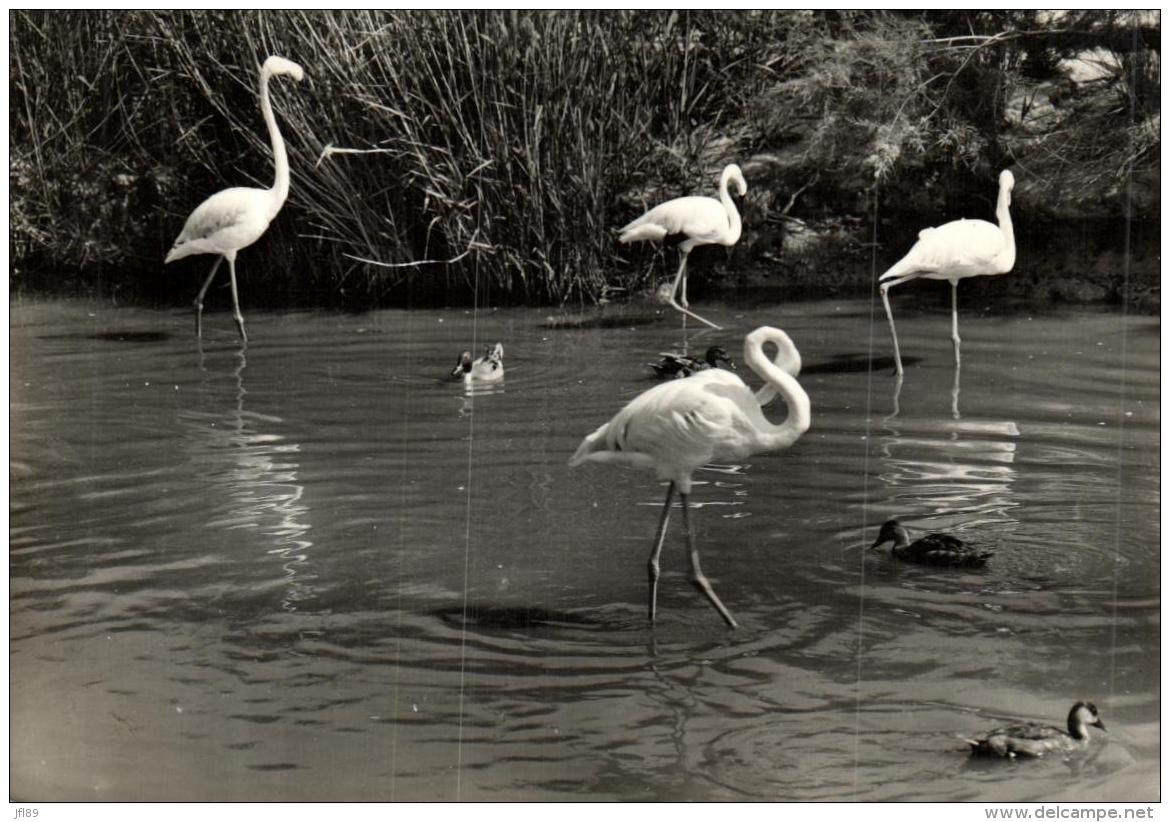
(958, 249)
(704, 221)
(678, 426)
(237, 217)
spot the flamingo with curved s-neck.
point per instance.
(676, 427)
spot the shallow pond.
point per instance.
(313, 570)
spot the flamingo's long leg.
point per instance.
(680, 279)
(236, 299)
(697, 577)
(199, 298)
(652, 566)
(955, 318)
(885, 288)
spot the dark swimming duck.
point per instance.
(932, 549)
(1033, 739)
(682, 365)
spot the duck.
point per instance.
(488, 368)
(682, 365)
(932, 549)
(1034, 739)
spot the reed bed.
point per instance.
(490, 156)
(445, 154)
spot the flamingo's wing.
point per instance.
(669, 427)
(234, 217)
(961, 245)
(700, 218)
(218, 212)
(688, 421)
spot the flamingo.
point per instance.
(704, 221)
(675, 427)
(237, 217)
(958, 249)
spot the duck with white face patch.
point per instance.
(488, 368)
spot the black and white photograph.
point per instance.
(539, 407)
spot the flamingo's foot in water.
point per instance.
(689, 313)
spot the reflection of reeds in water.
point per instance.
(255, 474)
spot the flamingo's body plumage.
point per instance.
(954, 251)
(235, 218)
(676, 427)
(703, 220)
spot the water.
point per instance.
(315, 571)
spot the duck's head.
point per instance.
(463, 366)
(496, 353)
(891, 531)
(716, 354)
(1082, 715)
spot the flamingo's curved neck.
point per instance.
(279, 155)
(735, 225)
(1003, 215)
(778, 380)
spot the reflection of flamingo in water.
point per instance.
(676, 427)
(958, 249)
(237, 217)
(255, 471)
(703, 220)
(959, 467)
(896, 402)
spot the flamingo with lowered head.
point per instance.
(954, 250)
(704, 221)
(676, 427)
(235, 218)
